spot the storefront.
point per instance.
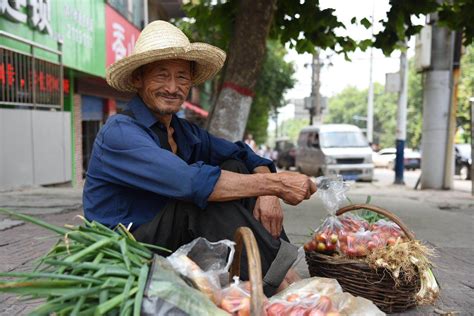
(44, 47)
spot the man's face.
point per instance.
(164, 85)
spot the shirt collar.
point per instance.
(142, 113)
(184, 138)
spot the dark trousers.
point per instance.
(179, 223)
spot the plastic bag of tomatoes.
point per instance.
(331, 190)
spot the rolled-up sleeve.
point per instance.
(221, 150)
(130, 157)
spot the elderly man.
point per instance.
(171, 181)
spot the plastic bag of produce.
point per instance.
(388, 231)
(353, 223)
(359, 244)
(319, 296)
(332, 193)
(205, 263)
(235, 298)
(167, 293)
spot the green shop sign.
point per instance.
(78, 24)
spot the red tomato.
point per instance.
(276, 309)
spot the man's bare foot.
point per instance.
(290, 278)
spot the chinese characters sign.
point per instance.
(121, 36)
(28, 83)
(38, 13)
(78, 24)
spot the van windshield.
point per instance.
(343, 139)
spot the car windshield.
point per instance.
(343, 139)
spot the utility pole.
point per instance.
(315, 109)
(370, 99)
(401, 133)
(456, 74)
(436, 103)
(471, 102)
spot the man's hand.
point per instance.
(296, 187)
(268, 212)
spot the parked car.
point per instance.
(285, 153)
(385, 158)
(463, 160)
(332, 149)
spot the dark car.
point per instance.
(463, 160)
(286, 154)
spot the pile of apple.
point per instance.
(297, 305)
(353, 236)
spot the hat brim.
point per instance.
(208, 61)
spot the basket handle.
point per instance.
(378, 210)
(245, 235)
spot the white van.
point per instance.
(331, 149)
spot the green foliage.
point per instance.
(305, 26)
(466, 89)
(276, 77)
(458, 15)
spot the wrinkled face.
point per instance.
(164, 85)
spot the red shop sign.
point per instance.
(43, 81)
(121, 36)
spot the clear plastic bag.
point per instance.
(205, 263)
(167, 293)
(319, 296)
(387, 231)
(354, 223)
(332, 193)
(235, 298)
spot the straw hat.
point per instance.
(161, 40)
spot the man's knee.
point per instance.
(234, 166)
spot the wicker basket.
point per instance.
(359, 279)
(244, 236)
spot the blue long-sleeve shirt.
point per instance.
(130, 177)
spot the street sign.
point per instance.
(308, 103)
(392, 82)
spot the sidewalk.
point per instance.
(442, 218)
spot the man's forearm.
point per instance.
(232, 186)
(262, 169)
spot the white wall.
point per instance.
(35, 147)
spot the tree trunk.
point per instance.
(229, 115)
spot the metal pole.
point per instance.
(401, 133)
(472, 144)
(436, 101)
(145, 13)
(370, 101)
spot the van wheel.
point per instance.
(319, 173)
